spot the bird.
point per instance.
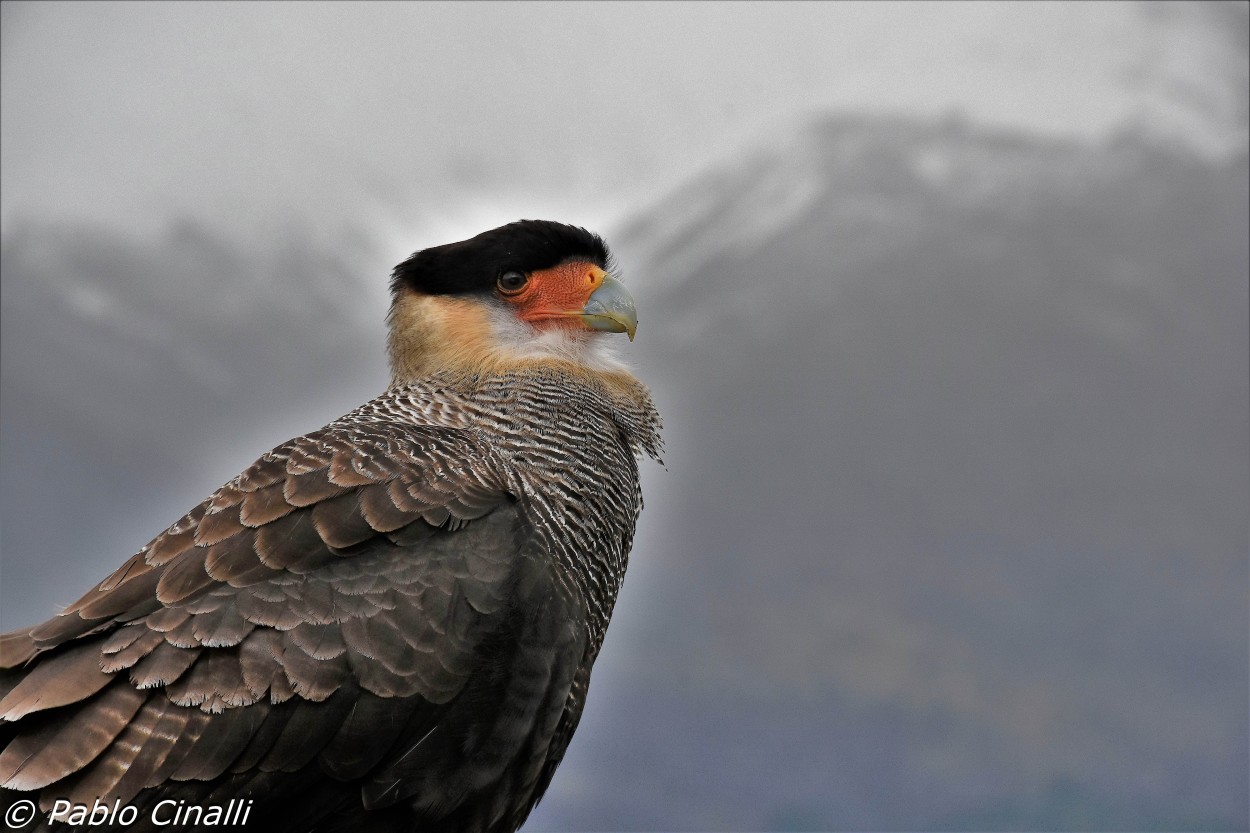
(388, 623)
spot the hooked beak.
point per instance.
(610, 309)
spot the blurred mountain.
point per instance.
(953, 533)
(138, 377)
(956, 503)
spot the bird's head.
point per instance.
(530, 291)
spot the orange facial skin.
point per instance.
(557, 296)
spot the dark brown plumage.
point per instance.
(386, 624)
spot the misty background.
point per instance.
(945, 307)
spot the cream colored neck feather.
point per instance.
(437, 333)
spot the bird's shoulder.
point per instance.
(375, 476)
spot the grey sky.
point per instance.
(423, 120)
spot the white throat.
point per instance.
(520, 340)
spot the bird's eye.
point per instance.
(510, 283)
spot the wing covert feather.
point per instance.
(346, 577)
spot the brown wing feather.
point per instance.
(65, 678)
(16, 649)
(265, 627)
(59, 747)
(139, 739)
(163, 666)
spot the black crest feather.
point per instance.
(475, 264)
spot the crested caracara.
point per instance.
(385, 624)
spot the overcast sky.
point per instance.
(417, 121)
